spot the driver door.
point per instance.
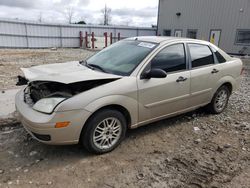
(159, 97)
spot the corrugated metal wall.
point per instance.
(18, 34)
(204, 16)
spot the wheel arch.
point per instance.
(229, 86)
(117, 107)
(211, 106)
(228, 81)
(125, 104)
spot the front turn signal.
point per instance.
(62, 124)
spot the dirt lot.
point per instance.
(12, 59)
(192, 150)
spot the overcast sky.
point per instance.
(124, 12)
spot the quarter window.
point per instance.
(201, 55)
(243, 37)
(219, 57)
(170, 59)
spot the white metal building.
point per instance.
(226, 23)
(20, 34)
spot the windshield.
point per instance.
(122, 57)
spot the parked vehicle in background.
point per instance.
(131, 83)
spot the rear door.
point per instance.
(203, 74)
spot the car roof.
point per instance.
(165, 40)
(162, 39)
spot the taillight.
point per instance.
(242, 71)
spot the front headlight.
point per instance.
(47, 105)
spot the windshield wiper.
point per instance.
(92, 66)
(84, 62)
(96, 66)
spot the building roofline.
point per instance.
(73, 25)
(158, 15)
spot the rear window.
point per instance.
(201, 55)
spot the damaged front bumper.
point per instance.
(42, 126)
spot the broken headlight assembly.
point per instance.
(44, 96)
(47, 105)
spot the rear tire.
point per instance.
(219, 101)
(104, 131)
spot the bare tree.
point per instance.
(40, 17)
(106, 15)
(69, 13)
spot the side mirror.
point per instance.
(154, 73)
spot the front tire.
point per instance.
(219, 101)
(104, 131)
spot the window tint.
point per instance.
(171, 58)
(218, 56)
(200, 55)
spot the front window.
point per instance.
(170, 59)
(122, 57)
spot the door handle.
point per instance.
(181, 79)
(214, 71)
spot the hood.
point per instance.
(66, 73)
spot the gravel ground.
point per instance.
(192, 150)
(11, 60)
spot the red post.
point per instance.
(111, 38)
(93, 40)
(86, 39)
(81, 40)
(106, 39)
(119, 36)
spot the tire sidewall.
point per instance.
(215, 96)
(93, 123)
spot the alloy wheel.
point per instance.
(107, 133)
(221, 100)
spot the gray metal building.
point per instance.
(226, 23)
